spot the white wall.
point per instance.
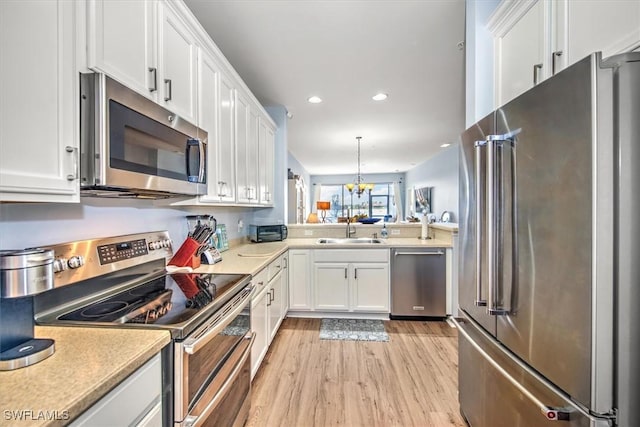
(441, 173)
(479, 60)
(36, 224)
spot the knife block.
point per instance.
(185, 256)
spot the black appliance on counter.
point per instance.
(267, 233)
(121, 282)
(23, 274)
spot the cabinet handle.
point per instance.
(222, 193)
(554, 55)
(345, 273)
(167, 84)
(536, 68)
(154, 71)
(74, 152)
(355, 273)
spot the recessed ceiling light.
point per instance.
(445, 145)
(315, 100)
(380, 96)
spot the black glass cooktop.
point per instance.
(167, 300)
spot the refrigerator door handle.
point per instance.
(495, 211)
(549, 412)
(477, 157)
(494, 143)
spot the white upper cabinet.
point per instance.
(534, 39)
(122, 42)
(266, 141)
(519, 54)
(252, 154)
(226, 178)
(583, 27)
(177, 65)
(148, 47)
(245, 192)
(39, 112)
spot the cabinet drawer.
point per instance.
(129, 402)
(260, 281)
(351, 255)
(275, 267)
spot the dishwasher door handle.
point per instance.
(418, 253)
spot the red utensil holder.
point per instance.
(185, 256)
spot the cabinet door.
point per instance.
(177, 70)
(519, 53)
(252, 155)
(242, 147)
(300, 280)
(331, 282)
(259, 325)
(226, 147)
(275, 305)
(39, 102)
(208, 107)
(129, 401)
(370, 287)
(266, 160)
(122, 42)
(583, 27)
(285, 285)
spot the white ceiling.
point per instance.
(345, 52)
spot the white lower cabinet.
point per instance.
(370, 287)
(300, 280)
(331, 286)
(359, 286)
(137, 401)
(267, 308)
(259, 325)
(275, 305)
(339, 280)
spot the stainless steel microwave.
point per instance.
(267, 233)
(132, 147)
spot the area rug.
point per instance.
(353, 330)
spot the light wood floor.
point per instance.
(409, 381)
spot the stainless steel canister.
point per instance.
(25, 272)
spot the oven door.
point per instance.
(213, 368)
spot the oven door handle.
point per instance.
(192, 421)
(192, 345)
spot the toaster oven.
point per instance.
(267, 233)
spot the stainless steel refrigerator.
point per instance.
(549, 273)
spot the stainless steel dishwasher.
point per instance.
(418, 283)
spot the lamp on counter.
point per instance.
(312, 218)
(359, 186)
(322, 208)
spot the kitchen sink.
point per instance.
(365, 240)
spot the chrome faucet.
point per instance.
(349, 230)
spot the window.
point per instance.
(378, 204)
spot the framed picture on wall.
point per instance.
(424, 198)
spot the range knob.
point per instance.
(60, 264)
(166, 243)
(75, 261)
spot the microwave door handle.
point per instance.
(201, 160)
(202, 170)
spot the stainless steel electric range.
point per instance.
(122, 282)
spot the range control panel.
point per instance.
(86, 259)
(122, 250)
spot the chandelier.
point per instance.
(359, 186)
